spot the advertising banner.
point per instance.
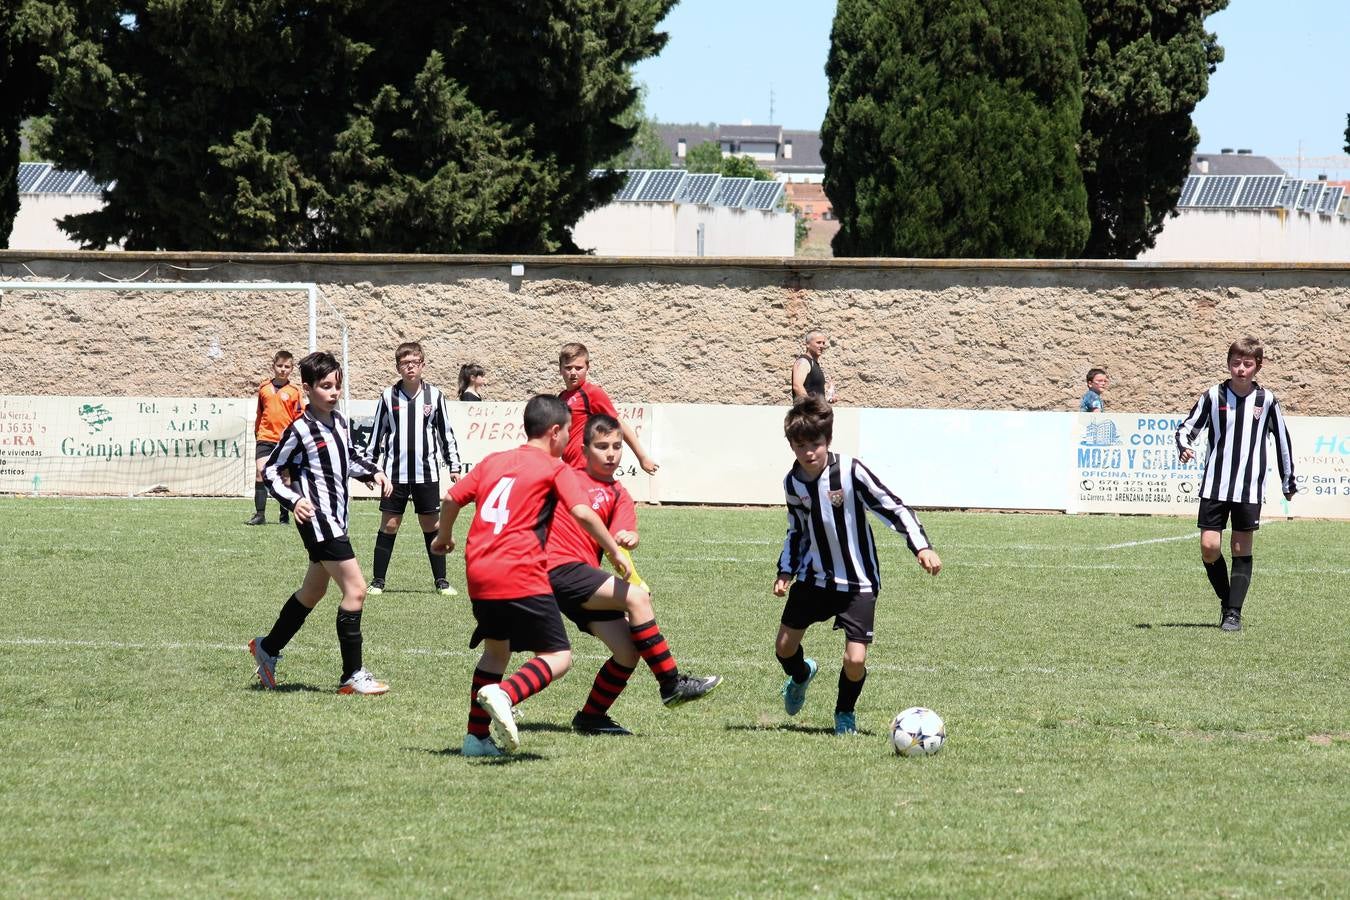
(125, 446)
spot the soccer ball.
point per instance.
(918, 732)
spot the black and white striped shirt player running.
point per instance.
(317, 450)
(1243, 421)
(411, 440)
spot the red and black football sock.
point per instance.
(349, 640)
(480, 723)
(1217, 572)
(292, 616)
(651, 646)
(609, 683)
(384, 550)
(848, 692)
(437, 559)
(1242, 579)
(795, 665)
(529, 680)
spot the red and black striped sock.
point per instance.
(480, 723)
(651, 645)
(609, 683)
(529, 680)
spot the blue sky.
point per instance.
(1286, 78)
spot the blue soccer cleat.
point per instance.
(794, 692)
(845, 723)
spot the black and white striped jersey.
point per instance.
(320, 458)
(1235, 469)
(412, 434)
(829, 541)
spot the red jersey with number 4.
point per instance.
(586, 400)
(568, 542)
(515, 492)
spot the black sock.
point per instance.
(795, 665)
(848, 692)
(349, 640)
(292, 616)
(1242, 579)
(259, 497)
(384, 549)
(1218, 577)
(437, 559)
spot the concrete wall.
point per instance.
(35, 225)
(905, 333)
(1275, 235)
(671, 229)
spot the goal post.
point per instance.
(114, 391)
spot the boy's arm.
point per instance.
(284, 455)
(630, 438)
(794, 545)
(1190, 428)
(889, 508)
(623, 518)
(363, 468)
(257, 417)
(379, 431)
(1284, 450)
(445, 434)
(444, 541)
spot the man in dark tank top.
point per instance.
(808, 378)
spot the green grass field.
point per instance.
(1104, 739)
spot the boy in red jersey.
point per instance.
(597, 601)
(279, 404)
(516, 492)
(585, 399)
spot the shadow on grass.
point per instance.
(494, 760)
(789, 727)
(1177, 625)
(291, 689)
(544, 726)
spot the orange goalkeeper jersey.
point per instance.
(278, 407)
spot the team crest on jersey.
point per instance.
(426, 411)
(836, 498)
(1256, 412)
(597, 499)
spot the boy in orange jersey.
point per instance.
(515, 493)
(618, 613)
(279, 404)
(585, 399)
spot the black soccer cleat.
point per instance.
(284, 518)
(258, 519)
(1232, 620)
(688, 687)
(588, 723)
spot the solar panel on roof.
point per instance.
(86, 185)
(58, 182)
(1331, 201)
(697, 188)
(1258, 191)
(1311, 194)
(1218, 190)
(763, 195)
(731, 191)
(1289, 193)
(661, 186)
(30, 173)
(1188, 189)
(630, 188)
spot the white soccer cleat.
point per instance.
(362, 682)
(479, 746)
(498, 705)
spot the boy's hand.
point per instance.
(1186, 454)
(626, 539)
(930, 561)
(303, 511)
(382, 482)
(1289, 495)
(648, 465)
(442, 547)
(621, 566)
(780, 586)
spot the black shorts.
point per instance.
(426, 498)
(530, 623)
(808, 604)
(264, 449)
(1213, 515)
(573, 583)
(337, 549)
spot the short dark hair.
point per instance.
(1247, 346)
(810, 419)
(601, 424)
(318, 366)
(280, 355)
(1093, 373)
(542, 412)
(573, 351)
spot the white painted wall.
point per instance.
(35, 226)
(671, 229)
(1251, 236)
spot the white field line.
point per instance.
(1180, 537)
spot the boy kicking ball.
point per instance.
(617, 612)
(317, 447)
(831, 553)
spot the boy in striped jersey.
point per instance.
(618, 613)
(411, 427)
(1239, 415)
(831, 553)
(317, 449)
